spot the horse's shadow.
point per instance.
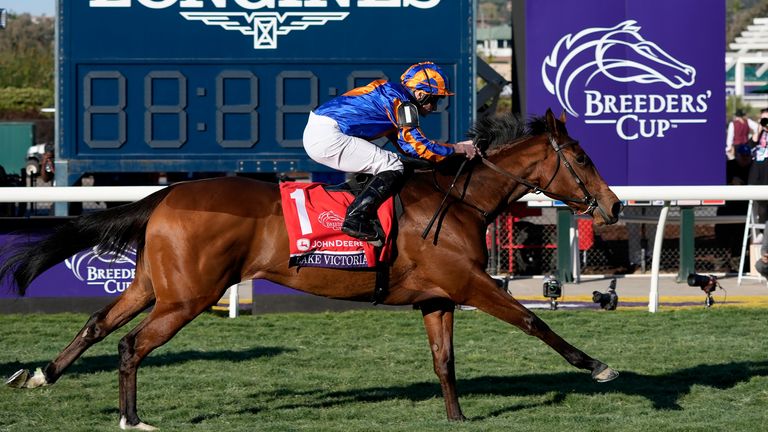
(106, 363)
(663, 391)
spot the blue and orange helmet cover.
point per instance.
(428, 77)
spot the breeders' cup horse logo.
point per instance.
(264, 26)
(110, 271)
(330, 220)
(619, 53)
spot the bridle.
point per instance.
(589, 200)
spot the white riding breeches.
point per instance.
(326, 144)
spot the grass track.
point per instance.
(682, 370)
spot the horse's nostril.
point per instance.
(616, 209)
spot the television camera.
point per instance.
(707, 283)
(553, 290)
(609, 300)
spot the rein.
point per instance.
(442, 203)
(589, 200)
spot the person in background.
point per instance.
(730, 235)
(338, 135)
(758, 172)
(761, 265)
(740, 129)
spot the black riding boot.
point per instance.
(361, 213)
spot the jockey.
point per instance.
(338, 135)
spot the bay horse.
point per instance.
(194, 239)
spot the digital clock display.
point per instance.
(230, 107)
(161, 85)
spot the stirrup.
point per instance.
(374, 239)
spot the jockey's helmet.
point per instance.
(428, 77)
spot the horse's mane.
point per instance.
(500, 131)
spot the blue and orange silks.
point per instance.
(370, 112)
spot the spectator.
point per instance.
(761, 265)
(758, 172)
(739, 131)
(737, 170)
(730, 235)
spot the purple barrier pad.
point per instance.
(265, 287)
(84, 274)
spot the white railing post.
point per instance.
(653, 296)
(234, 301)
(747, 225)
(575, 254)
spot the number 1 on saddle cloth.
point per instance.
(313, 219)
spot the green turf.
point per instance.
(685, 370)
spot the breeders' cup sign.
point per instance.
(266, 25)
(109, 272)
(621, 54)
(641, 82)
(86, 274)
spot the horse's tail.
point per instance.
(111, 230)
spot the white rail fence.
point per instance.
(667, 194)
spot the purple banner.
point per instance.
(265, 287)
(642, 83)
(85, 274)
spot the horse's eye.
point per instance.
(582, 159)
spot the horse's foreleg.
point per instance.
(438, 321)
(486, 296)
(113, 316)
(165, 320)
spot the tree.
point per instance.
(26, 52)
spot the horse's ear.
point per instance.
(552, 123)
(562, 117)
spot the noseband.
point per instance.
(589, 200)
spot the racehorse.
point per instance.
(195, 239)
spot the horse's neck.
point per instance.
(485, 191)
(497, 190)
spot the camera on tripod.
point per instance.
(609, 300)
(553, 289)
(707, 283)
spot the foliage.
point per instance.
(26, 52)
(733, 103)
(26, 66)
(504, 104)
(493, 12)
(25, 100)
(684, 370)
(739, 14)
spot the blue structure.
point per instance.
(226, 86)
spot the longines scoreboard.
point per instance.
(227, 85)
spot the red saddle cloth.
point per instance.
(313, 218)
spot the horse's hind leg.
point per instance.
(438, 321)
(135, 299)
(165, 320)
(487, 297)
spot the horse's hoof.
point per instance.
(18, 379)
(36, 380)
(603, 373)
(140, 426)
